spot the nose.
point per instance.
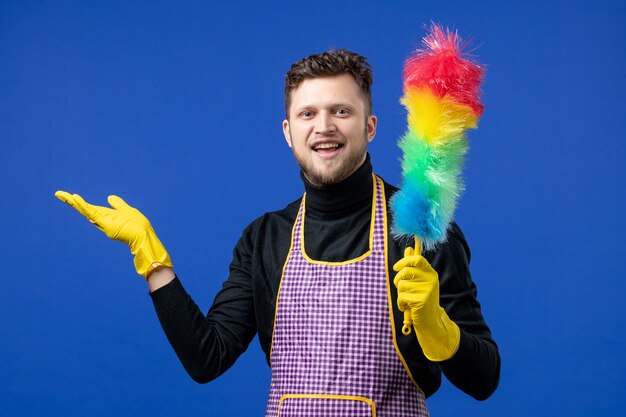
(324, 124)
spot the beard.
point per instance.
(345, 167)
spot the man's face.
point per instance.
(328, 128)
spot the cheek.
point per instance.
(358, 131)
(300, 133)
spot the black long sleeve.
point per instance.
(475, 368)
(206, 345)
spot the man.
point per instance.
(322, 281)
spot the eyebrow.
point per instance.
(332, 105)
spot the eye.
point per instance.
(306, 114)
(342, 111)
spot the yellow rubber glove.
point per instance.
(126, 224)
(418, 298)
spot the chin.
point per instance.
(328, 172)
(326, 177)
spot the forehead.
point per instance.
(339, 89)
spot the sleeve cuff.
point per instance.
(169, 296)
(466, 345)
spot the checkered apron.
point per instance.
(333, 352)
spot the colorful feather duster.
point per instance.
(441, 95)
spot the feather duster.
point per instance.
(441, 95)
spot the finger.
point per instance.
(118, 203)
(406, 274)
(399, 277)
(408, 252)
(70, 200)
(400, 264)
(85, 208)
(421, 272)
(416, 261)
(64, 197)
(401, 303)
(413, 293)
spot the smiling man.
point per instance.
(328, 127)
(321, 280)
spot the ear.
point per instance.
(371, 127)
(287, 132)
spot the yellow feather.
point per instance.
(436, 119)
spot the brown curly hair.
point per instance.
(328, 64)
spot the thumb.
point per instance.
(118, 203)
(407, 259)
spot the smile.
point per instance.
(326, 147)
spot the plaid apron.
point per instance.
(333, 352)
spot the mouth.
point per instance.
(326, 148)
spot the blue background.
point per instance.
(177, 106)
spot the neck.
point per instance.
(335, 200)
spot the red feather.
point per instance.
(444, 67)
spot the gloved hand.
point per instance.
(126, 224)
(418, 298)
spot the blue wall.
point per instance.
(177, 106)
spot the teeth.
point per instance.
(327, 146)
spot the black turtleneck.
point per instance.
(341, 207)
(336, 228)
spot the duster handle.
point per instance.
(408, 320)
